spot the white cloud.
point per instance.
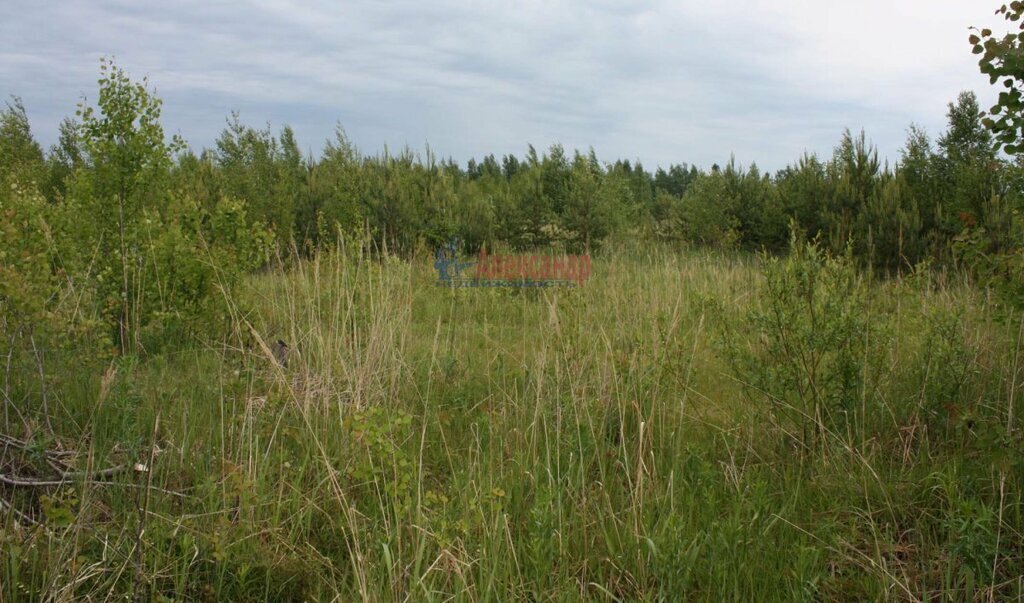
(661, 81)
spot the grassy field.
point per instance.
(686, 426)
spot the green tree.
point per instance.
(529, 212)
(335, 201)
(26, 280)
(889, 227)
(555, 177)
(474, 216)
(918, 172)
(437, 201)
(63, 159)
(762, 221)
(967, 167)
(676, 180)
(855, 170)
(262, 171)
(128, 161)
(802, 188)
(590, 213)
(199, 178)
(706, 214)
(21, 158)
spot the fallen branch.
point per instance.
(21, 516)
(32, 482)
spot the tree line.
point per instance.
(895, 216)
(122, 220)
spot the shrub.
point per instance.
(804, 347)
(194, 256)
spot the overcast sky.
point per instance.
(664, 82)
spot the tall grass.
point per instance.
(600, 443)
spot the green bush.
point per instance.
(804, 347)
(194, 259)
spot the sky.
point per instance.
(662, 82)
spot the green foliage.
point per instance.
(857, 179)
(21, 158)
(26, 281)
(196, 256)
(599, 433)
(944, 374)
(1000, 61)
(154, 257)
(895, 217)
(378, 463)
(115, 163)
(808, 357)
(124, 183)
(706, 214)
(63, 160)
(335, 201)
(968, 169)
(38, 299)
(920, 200)
(994, 244)
(60, 509)
(594, 202)
(267, 173)
(891, 228)
(596, 450)
(1001, 270)
(802, 187)
(973, 542)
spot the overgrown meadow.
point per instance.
(234, 376)
(687, 425)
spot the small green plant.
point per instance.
(972, 540)
(378, 461)
(60, 509)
